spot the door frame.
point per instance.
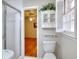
(22, 24)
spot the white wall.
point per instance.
(16, 3)
(28, 3)
(66, 47)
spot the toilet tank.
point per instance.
(49, 46)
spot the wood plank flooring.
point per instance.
(31, 47)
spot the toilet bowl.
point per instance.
(7, 54)
(49, 48)
(49, 56)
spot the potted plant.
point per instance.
(49, 6)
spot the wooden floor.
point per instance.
(31, 47)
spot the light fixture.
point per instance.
(30, 19)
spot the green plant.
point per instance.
(49, 6)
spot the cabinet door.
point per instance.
(52, 18)
(44, 21)
(45, 18)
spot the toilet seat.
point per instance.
(49, 56)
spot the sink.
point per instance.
(7, 54)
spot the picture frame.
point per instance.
(35, 25)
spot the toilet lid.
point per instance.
(49, 56)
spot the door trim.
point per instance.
(22, 24)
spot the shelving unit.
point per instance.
(48, 19)
(49, 35)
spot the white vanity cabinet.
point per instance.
(48, 19)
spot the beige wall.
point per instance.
(30, 31)
(66, 47)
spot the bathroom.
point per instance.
(15, 32)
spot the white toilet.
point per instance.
(49, 48)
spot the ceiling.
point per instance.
(30, 13)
